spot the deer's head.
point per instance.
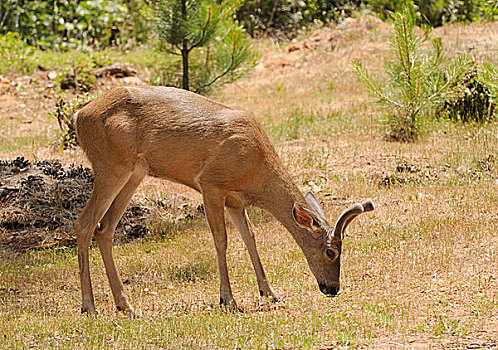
(324, 243)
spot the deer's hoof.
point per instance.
(275, 299)
(88, 311)
(270, 296)
(127, 311)
(230, 305)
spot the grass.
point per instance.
(419, 272)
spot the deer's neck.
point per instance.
(280, 194)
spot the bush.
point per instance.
(474, 95)
(64, 112)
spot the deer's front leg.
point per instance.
(241, 221)
(214, 204)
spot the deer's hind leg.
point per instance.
(108, 183)
(105, 233)
(214, 204)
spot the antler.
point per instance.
(349, 214)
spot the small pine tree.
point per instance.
(225, 54)
(415, 80)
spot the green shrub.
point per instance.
(474, 95)
(284, 18)
(64, 112)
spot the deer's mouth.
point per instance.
(330, 290)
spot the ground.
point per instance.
(419, 272)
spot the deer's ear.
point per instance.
(313, 202)
(304, 218)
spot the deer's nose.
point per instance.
(329, 290)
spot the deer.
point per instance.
(128, 133)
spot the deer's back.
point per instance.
(176, 131)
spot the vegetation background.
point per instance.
(419, 272)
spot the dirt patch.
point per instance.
(39, 203)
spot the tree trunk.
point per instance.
(185, 53)
(185, 50)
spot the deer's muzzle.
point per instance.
(329, 290)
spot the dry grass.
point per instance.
(419, 272)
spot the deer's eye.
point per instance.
(331, 254)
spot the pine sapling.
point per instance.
(415, 79)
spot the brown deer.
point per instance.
(130, 132)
